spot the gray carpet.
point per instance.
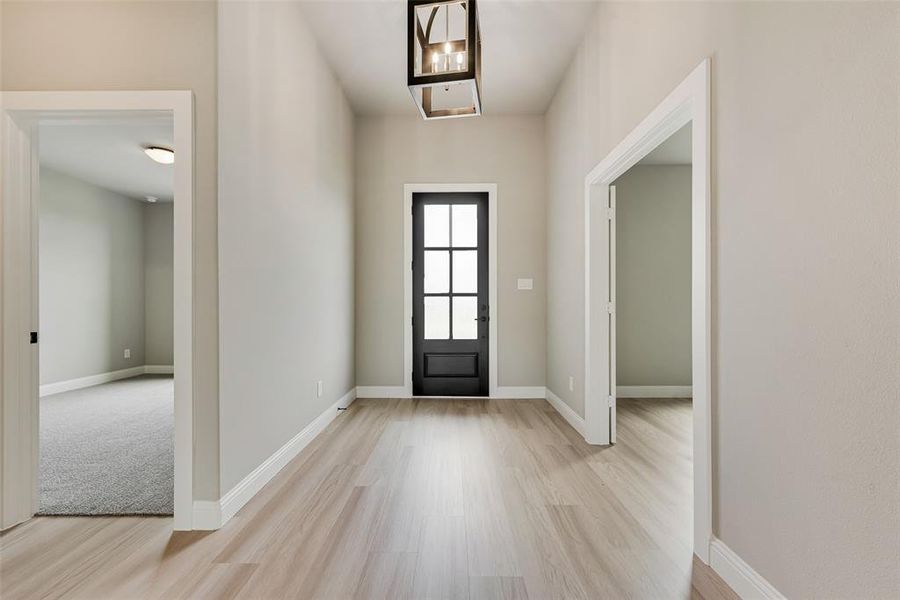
(108, 449)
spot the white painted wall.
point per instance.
(159, 283)
(286, 228)
(806, 265)
(106, 280)
(393, 151)
(653, 276)
(87, 45)
(91, 279)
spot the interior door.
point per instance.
(450, 294)
(612, 314)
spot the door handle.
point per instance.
(482, 319)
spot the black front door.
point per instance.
(450, 294)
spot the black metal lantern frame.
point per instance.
(444, 62)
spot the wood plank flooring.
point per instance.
(425, 498)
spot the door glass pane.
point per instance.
(465, 313)
(437, 317)
(465, 271)
(465, 225)
(437, 271)
(437, 225)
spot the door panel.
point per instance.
(450, 294)
(612, 314)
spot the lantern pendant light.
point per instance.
(444, 58)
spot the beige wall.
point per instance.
(159, 283)
(91, 279)
(76, 45)
(393, 151)
(653, 276)
(285, 230)
(805, 212)
(105, 280)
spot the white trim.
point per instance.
(207, 515)
(501, 393)
(213, 515)
(688, 103)
(408, 190)
(19, 171)
(740, 577)
(91, 380)
(654, 391)
(611, 211)
(19, 112)
(572, 417)
(520, 392)
(48, 389)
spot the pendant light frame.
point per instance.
(422, 85)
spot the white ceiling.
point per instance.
(109, 152)
(674, 151)
(527, 46)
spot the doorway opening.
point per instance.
(650, 325)
(650, 279)
(687, 105)
(482, 198)
(26, 119)
(105, 291)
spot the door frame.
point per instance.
(689, 102)
(414, 188)
(20, 113)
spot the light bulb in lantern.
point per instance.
(459, 59)
(435, 57)
(448, 48)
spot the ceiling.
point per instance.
(674, 151)
(109, 152)
(527, 46)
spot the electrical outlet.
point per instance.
(571, 383)
(320, 388)
(127, 352)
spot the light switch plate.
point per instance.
(127, 353)
(525, 284)
(320, 388)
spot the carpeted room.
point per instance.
(106, 319)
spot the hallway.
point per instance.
(414, 499)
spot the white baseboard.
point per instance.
(381, 391)
(747, 583)
(654, 391)
(207, 515)
(213, 515)
(520, 392)
(572, 417)
(82, 382)
(510, 392)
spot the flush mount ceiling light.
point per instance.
(161, 155)
(151, 199)
(444, 58)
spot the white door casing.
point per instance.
(687, 103)
(19, 114)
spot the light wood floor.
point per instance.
(413, 499)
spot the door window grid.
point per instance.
(436, 329)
